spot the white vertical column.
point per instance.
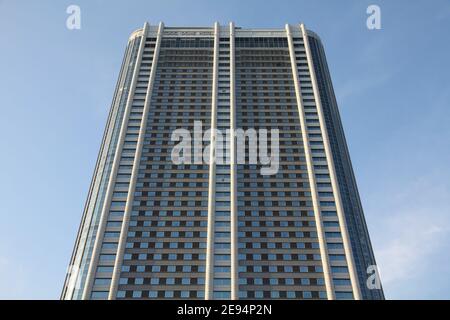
(233, 174)
(331, 168)
(135, 170)
(209, 268)
(112, 179)
(310, 167)
(81, 241)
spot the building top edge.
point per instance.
(239, 32)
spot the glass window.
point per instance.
(99, 295)
(344, 295)
(105, 269)
(222, 295)
(102, 281)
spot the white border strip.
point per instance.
(331, 169)
(112, 179)
(310, 167)
(233, 174)
(209, 268)
(136, 163)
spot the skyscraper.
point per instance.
(157, 228)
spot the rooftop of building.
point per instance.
(224, 29)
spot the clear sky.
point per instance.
(392, 86)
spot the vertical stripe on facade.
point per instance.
(334, 183)
(233, 173)
(115, 166)
(209, 275)
(310, 167)
(75, 272)
(136, 163)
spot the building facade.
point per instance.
(156, 229)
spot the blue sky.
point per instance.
(392, 87)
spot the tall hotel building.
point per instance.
(153, 229)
